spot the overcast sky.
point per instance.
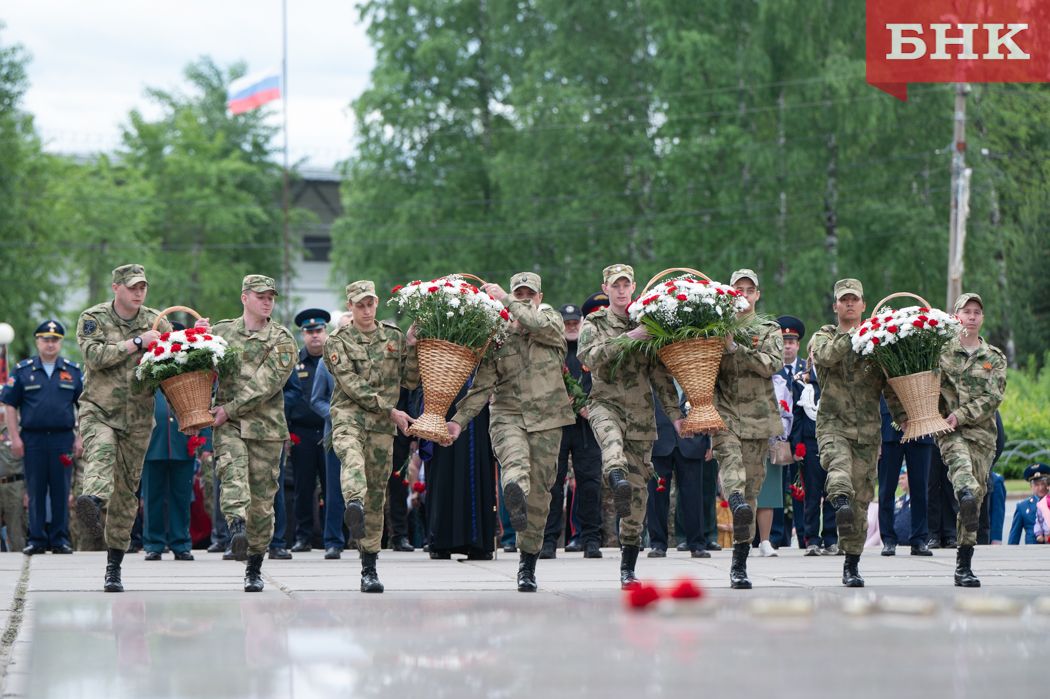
(91, 62)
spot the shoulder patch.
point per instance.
(11, 380)
(90, 325)
(24, 363)
(285, 355)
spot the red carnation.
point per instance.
(703, 281)
(892, 328)
(682, 297)
(721, 293)
(415, 283)
(191, 338)
(404, 481)
(294, 439)
(932, 323)
(66, 461)
(208, 337)
(862, 331)
(175, 347)
(686, 589)
(564, 369)
(923, 318)
(671, 290)
(874, 340)
(924, 310)
(784, 406)
(800, 450)
(448, 284)
(463, 291)
(917, 323)
(671, 283)
(432, 289)
(724, 504)
(159, 351)
(396, 289)
(151, 345)
(419, 487)
(641, 595)
(662, 481)
(164, 337)
(661, 488)
(504, 315)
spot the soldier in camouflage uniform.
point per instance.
(529, 408)
(622, 412)
(849, 423)
(79, 538)
(115, 424)
(973, 381)
(370, 362)
(745, 401)
(250, 426)
(12, 490)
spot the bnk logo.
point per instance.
(946, 41)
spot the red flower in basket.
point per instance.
(504, 314)
(66, 460)
(164, 337)
(800, 450)
(682, 297)
(432, 289)
(294, 439)
(396, 289)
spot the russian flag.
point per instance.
(254, 90)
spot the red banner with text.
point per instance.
(947, 41)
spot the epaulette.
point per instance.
(75, 364)
(227, 320)
(391, 324)
(23, 364)
(600, 313)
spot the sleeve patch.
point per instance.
(90, 325)
(11, 380)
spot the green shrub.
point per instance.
(1025, 410)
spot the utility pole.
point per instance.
(284, 100)
(960, 203)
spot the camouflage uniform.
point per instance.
(248, 445)
(12, 494)
(849, 424)
(973, 381)
(79, 537)
(621, 408)
(369, 370)
(745, 401)
(115, 424)
(529, 408)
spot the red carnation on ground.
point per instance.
(419, 487)
(682, 297)
(686, 589)
(66, 461)
(396, 289)
(641, 595)
(294, 439)
(800, 450)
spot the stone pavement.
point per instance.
(458, 628)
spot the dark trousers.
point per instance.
(689, 474)
(942, 507)
(308, 468)
(578, 440)
(43, 471)
(220, 530)
(918, 457)
(708, 498)
(333, 504)
(397, 491)
(280, 512)
(796, 516)
(171, 480)
(813, 480)
(507, 535)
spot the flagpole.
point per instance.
(284, 100)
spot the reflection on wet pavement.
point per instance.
(536, 646)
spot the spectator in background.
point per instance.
(282, 509)
(399, 482)
(902, 526)
(942, 507)
(12, 490)
(1027, 513)
(917, 453)
(334, 506)
(771, 496)
(993, 507)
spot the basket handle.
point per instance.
(673, 269)
(875, 310)
(481, 282)
(173, 309)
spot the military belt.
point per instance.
(4, 480)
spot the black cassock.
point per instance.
(461, 488)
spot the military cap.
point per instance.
(313, 318)
(176, 325)
(129, 275)
(594, 302)
(529, 279)
(259, 283)
(848, 286)
(570, 312)
(791, 326)
(1036, 471)
(965, 298)
(741, 274)
(614, 272)
(51, 328)
(360, 290)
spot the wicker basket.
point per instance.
(189, 395)
(443, 367)
(694, 365)
(919, 393)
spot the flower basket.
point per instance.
(183, 365)
(455, 323)
(688, 319)
(906, 345)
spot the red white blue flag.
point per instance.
(254, 90)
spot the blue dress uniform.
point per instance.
(1025, 514)
(48, 417)
(917, 453)
(168, 469)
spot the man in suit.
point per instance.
(942, 507)
(805, 394)
(684, 458)
(1038, 477)
(917, 453)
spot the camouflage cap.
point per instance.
(259, 283)
(848, 286)
(129, 275)
(743, 274)
(964, 298)
(614, 272)
(528, 279)
(360, 290)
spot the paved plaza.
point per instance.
(459, 629)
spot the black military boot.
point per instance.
(743, 516)
(113, 561)
(253, 581)
(238, 540)
(89, 512)
(964, 576)
(850, 573)
(969, 512)
(738, 579)
(622, 493)
(354, 519)
(843, 515)
(369, 577)
(514, 501)
(527, 572)
(628, 559)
